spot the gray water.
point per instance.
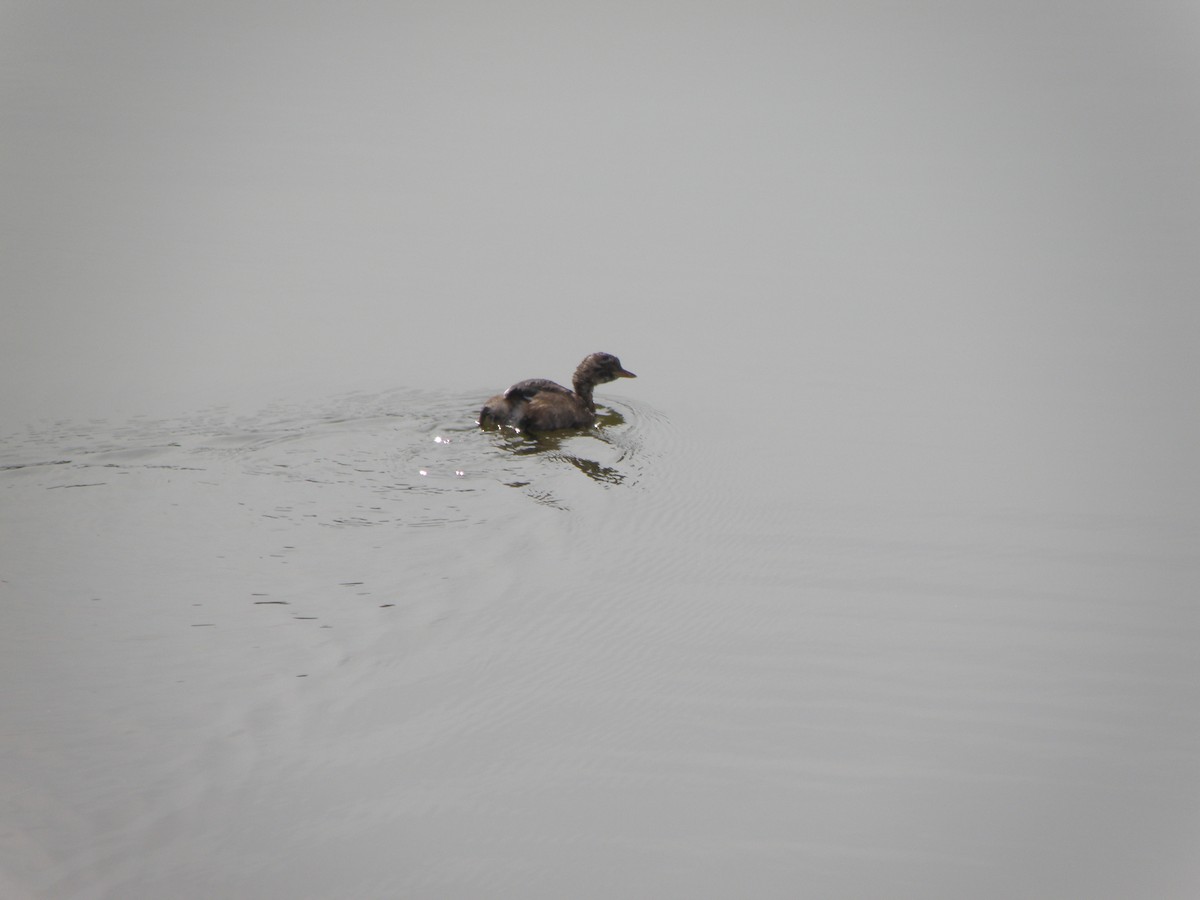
(878, 582)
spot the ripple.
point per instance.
(395, 458)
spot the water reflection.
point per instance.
(561, 446)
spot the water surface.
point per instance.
(878, 582)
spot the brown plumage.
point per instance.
(538, 404)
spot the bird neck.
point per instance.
(584, 389)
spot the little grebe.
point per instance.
(538, 404)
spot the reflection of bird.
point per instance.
(539, 404)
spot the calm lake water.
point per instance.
(880, 581)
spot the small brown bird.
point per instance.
(538, 404)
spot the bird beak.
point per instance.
(622, 373)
